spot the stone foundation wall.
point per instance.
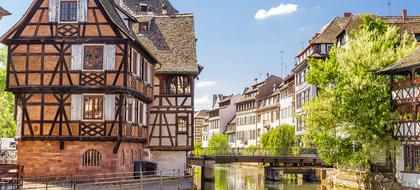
(168, 161)
(44, 158)
(360, 180)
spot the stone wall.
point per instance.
(44, 158)
(168, 161)
(360, 180)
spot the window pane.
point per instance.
(182, 124)
(93, 59)
(68, 11)
(93, 107)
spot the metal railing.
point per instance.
(122, 180)
(254, 152)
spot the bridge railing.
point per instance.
(253, 152)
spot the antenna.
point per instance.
(281, 63)
(389, 7)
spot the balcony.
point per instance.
(86, 131)
(86, 81)
(407, 130)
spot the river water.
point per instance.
(244, 177)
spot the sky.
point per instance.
(240, 40)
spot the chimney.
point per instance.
(404, 14)
(255, 81)
(268, 74)
(347, 14)
(214, 99)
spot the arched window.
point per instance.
(92, 157)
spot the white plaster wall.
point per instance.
(406, 179)
(284, 103)
(168, 161)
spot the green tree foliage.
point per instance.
(351, 120)
(7, 123)
(218, 144)
(280, 139)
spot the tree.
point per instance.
(280, 139)
(218, 144)
(350, 120)
(7, 123)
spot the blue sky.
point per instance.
(235, 47)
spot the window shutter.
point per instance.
(144, 120)
(109, 107)
(76, 56)
(150, 74)
(53, 10)
(82, 10)
(109, 58)
(76, 107)
(133, 110)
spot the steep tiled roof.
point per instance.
(156, 6)
(329, 33)
(171, 38)
(413, 59)
(110, 8)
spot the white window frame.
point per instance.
(59, 12)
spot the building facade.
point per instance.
(81, 102)
(170, 37)
(200, 118)
(287, 101)
(220, 116)
(89, 96)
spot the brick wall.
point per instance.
(44, 158)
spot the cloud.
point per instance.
(205, 84)
(205, 99)
(282, 9)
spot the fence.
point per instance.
(11, 176)
(122, 180)
(253, 152)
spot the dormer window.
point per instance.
(68, 11)
(143, 27)
(417, 37)
(144, 8)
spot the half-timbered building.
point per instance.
(170, 36)
(82, 82)
(405, 99)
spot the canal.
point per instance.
(249, 177)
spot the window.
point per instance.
(182, 124)
(417, 37)
(93, 58)
(92, 157)
(68, 11)
(130, 111)
(411, 158)
(144, 8)
(143, 27)
(177, 85)
(135, 63)
(93, 107)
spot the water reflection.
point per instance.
(243, 177)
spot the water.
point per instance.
(243, 177)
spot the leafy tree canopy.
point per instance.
(351, 120)
(282, 137)
(7, 123)
(219, 141)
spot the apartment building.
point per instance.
(287, 101)
(220, 115)
(200, 118)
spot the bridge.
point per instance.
(292, 159)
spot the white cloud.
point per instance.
(205, 84)
(282, 9)
(205, 99)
